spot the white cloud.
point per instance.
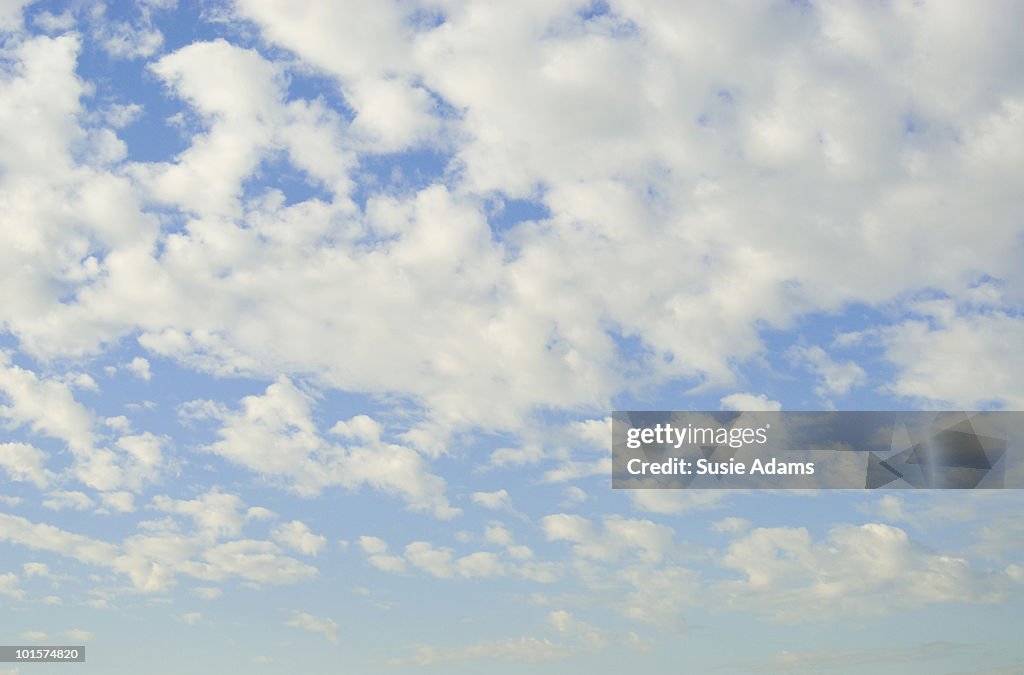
(192, 618)
(314, 624)
(746, 401)
(572, 470)
(372, 545)
(10, 585)
(574, 495)
(567, 624)
(863, 570)
(677, 501)
(883, 658)
(834, 378)
(731, 524)
(482, 564)
(59, 500)
(427, 557)
(259, 561)
(514, 650)
(961, 360)
(216, 514)
(121, 502)
(441, 562)
(387, 563)
(596, 433)
(34, 569)
(152, 561)
(10, 14)
(140, 368)
(495, 501)
(617, 537)
(24, 462)
(274, 434)
(239, 93)
(579, 120)
(79, 635)
(297, 536)
(776, 186)
(47, 405)
(376, 550)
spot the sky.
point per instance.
(313, 316)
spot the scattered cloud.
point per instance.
(314, 624)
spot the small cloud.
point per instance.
(83, 381)
(373, 545)
(122, 502)
(139, 367)
(376, 550)
(834, 377)
(574, 495)
(54, 23)
(731, 525)
(744, 401)
(496, 501)
(78, 635)
(33, 635)
(119, 423)
(297, 536)
(10, 585)
(62, 500)
(207, 592)
(314, 624)
(36, 569)
(191, 618)
(676, 501)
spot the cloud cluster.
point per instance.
(213, 550)
(693, 196)
(274, 434)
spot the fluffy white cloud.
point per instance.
(962, 360)
(376, 550)
(140, 368)
(767, 195)
(216, 514)
(152, 561)
(297, 536)
(48, 406)
(704, 175)
(274, 434)
(24, 462)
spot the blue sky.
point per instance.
(314, 314)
